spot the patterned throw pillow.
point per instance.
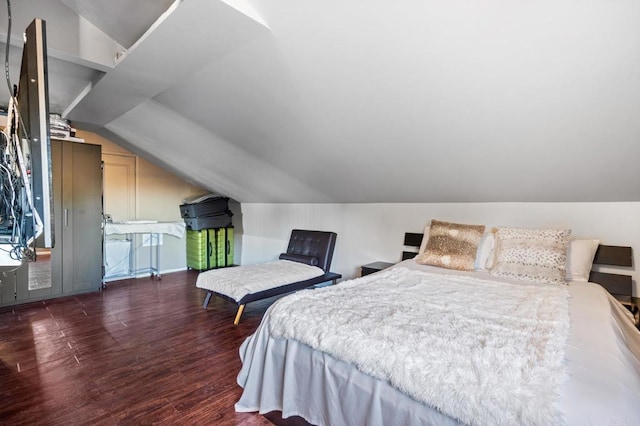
(451, 245)
(538, 255)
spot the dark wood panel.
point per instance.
(614, 283)
(614, 256)
(408, 255)
(412, 239)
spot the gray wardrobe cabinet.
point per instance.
(76, 258)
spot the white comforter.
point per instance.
(602, 384)
(239, 281)
(443, 340)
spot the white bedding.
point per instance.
(603, 385)
(427, 335)
(239, 281)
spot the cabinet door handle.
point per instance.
(66, 217)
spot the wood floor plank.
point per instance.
(139, 352)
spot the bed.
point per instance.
(306, 263)
(573, 351)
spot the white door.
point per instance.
(120, 203)
(119, 186)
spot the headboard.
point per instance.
(411, 240)
(305, 246)
(618, 285)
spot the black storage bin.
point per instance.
(208, 207)
(220, 220)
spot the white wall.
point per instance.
(371, 232)
(159, 194)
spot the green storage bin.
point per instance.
(224, 247)
(198, 256)
(209, 248)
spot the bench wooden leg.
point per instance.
(238, 315)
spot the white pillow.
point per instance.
(425, 238)
(484, 255)
(580, 255)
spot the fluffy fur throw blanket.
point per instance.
(247, 279)
(483, 352)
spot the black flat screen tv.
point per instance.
(33, 99)
(31, 120)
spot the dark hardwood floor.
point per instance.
(139, 352)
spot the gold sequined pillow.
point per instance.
(532, 254)
(451, 245)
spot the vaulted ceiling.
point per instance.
(351, 101)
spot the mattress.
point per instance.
(601, 357)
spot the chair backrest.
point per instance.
(318, 244)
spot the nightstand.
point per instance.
(631, 303)
(634, 307)
(370, 268)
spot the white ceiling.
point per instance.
(124, 20)
(350, 101)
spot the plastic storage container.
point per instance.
(209, 248)
(220, 220)
(208, 207)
